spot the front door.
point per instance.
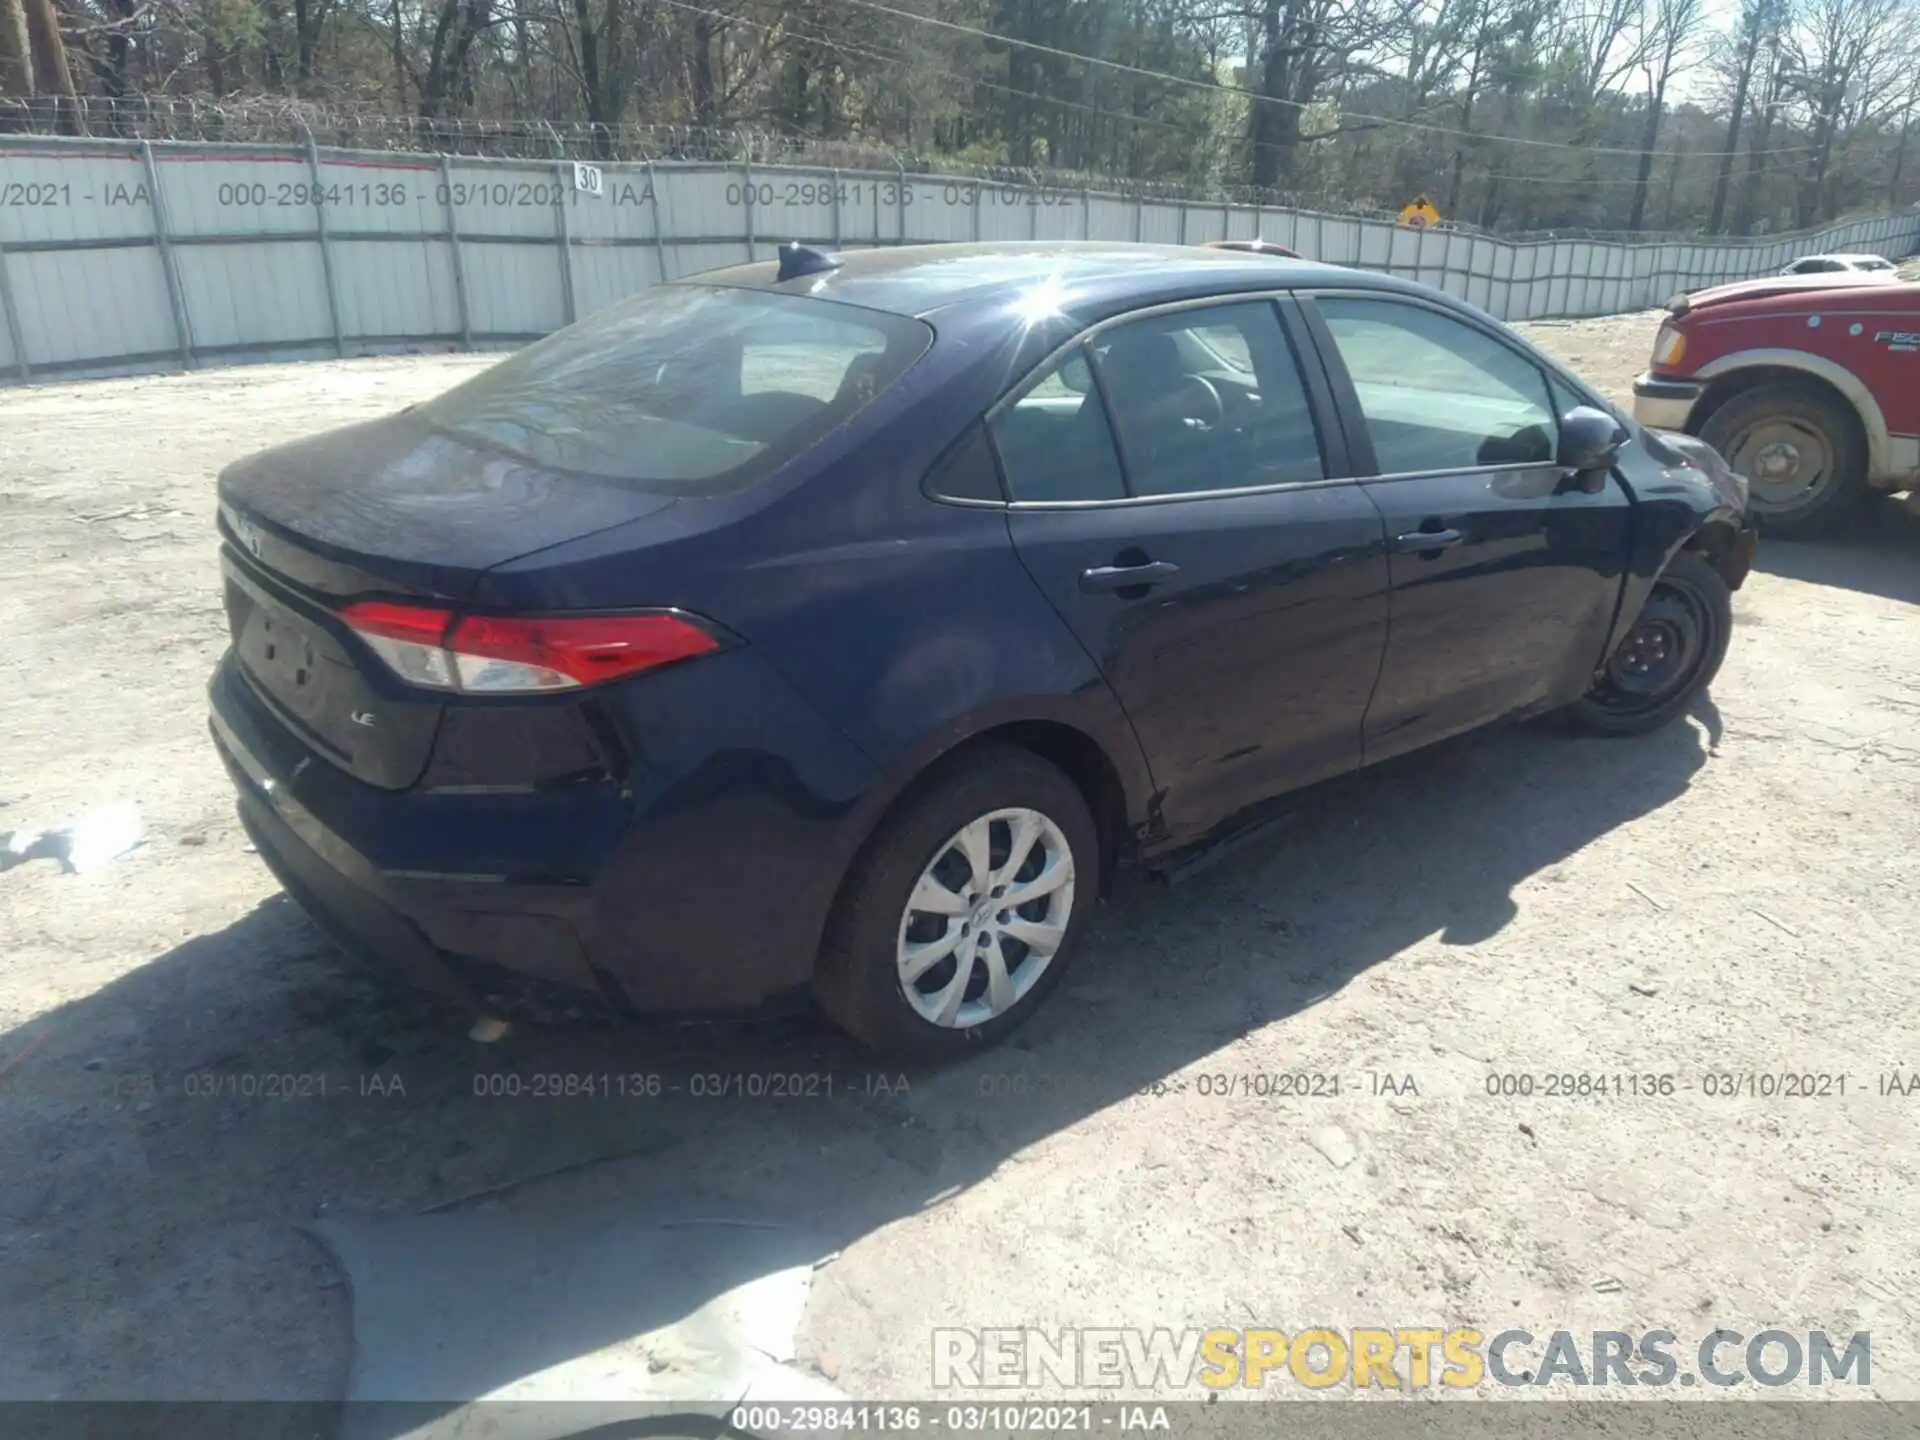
(1505, 569)
(1171, 499)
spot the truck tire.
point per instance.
(1802, 452)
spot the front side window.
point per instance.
(1208, 399)
(1438, 393)
(686, 389)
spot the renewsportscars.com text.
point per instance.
(1392, 1358)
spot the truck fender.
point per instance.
(1880, 458)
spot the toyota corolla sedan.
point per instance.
(835, 627)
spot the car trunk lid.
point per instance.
(387, 508)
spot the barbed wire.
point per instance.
(333, 124)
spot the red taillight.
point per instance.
(417, 624)
(586, 649)
(505, 654)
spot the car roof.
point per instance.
(1844, 255)
(922, 280)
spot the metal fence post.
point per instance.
(659, 239)
(900, 202)
(835, 180)
(1183, 222)
(563, 235)
(1139, 216)
(326, 245)
(20, 361)
(1086, 213)
(977, 187)
(163, 242)
(746, 192)
(453, 250)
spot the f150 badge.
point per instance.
(1898, 339)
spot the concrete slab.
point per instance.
(568, 1290)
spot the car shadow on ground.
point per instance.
(144, 1114)
(1877, 554)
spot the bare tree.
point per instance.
(1668, 47)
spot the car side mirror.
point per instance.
(1590, 444)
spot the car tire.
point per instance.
(868, 962)
(1686, 622)
(1816, 419)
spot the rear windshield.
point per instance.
(685, 389)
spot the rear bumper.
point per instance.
(1665, 404)
(629, 893)
(473, 941)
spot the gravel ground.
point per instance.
(1728, 896)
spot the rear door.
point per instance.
(1171, 496)
(1505, 570)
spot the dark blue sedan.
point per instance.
(839, 625)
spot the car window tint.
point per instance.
(1227, 345)
(1438, 393)
(684, 389)
(1054, 441)
(1208, 399)
(815, 366)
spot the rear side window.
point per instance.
(1438, 393)
(685, 389)
(1054, 441)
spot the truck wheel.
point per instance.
(1802, 452)
(1669, 656)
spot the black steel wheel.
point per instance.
(1671, 653)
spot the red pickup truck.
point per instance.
(1809, 385)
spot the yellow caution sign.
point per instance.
(1420, 215)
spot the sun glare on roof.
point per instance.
(1041, 302)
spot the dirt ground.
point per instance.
(1730, 896)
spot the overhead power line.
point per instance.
(1250, 95)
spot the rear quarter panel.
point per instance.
(899, 625)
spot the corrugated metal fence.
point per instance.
(122, 256)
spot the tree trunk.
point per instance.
(1648, 140)
(51, 73)
(306, 40)
(399, 56)
(1673, 186)
(16, 56)
(1756, 165)
(703, 88)
(1728, 149)
(1900, 157)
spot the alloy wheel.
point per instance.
(986, 918)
